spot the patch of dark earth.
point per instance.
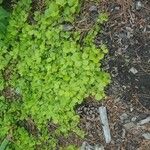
(127, 35)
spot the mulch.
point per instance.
(127, 34)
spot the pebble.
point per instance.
(144, 121)
(123, 133)
(129, 125)
(129, 32)
(133, 70)
(117, 8)
(123, 117)
(93, 8)
(97, 147)
(134, 119)
(146, 136)
(86, 146)
(67, 27)
(138, 5)
(131, 109)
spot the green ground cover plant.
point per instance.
(4, 16)
(51, 72)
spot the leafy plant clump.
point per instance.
(4, 16)
(51, 72)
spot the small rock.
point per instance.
(68, 27)
(134, 119)
(98, 147)
(144, 121)
(133, 70)
(138, 5)
(117, 8)
(86, 146)
(123, 117)
(146, 136)
(93, 8)
(129, 125)
(131, 109)
(123, 133)
(129, 32)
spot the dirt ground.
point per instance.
(127, 34)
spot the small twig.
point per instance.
(137, 100)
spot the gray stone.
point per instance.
(144, 121)
(68, 27)
(129, 125)
(123, 133)
(86, 146)
(133, 70)
(134, 119)
(98, 147)
(117, 8)
(146, 136)
(123, 117)
(138, 5)
(93, 8)
(131, 108)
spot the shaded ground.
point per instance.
(127, 35)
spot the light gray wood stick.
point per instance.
(104, 122)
